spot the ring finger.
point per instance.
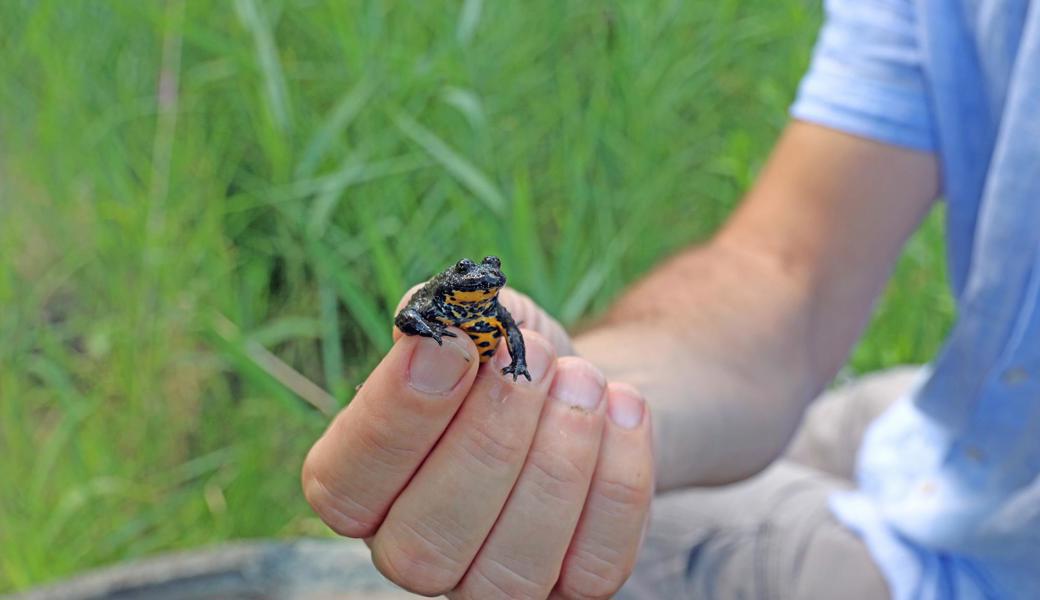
(603, 552)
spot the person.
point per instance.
(465, 483)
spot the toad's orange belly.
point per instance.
(485, 333)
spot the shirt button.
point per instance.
(1014, 375)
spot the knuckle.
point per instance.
(340, 512)
(589, 576)
(496, 452)
(557, 476)
(495, 579)
(624, 495)
(379, 441)
(418, 563)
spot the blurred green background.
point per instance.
(208, 211)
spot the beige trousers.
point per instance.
(773, 536)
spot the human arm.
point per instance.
(486, 487)
(729, 341)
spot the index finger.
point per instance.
(373, 447)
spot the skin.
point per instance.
(466, 483)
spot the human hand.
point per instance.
(466, 483)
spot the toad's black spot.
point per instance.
(483, 344)
(473, 336)
(488, 353)
(482, 327)
(496, 333)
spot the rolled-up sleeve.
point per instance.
(866, 76)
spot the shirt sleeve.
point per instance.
(866, 76)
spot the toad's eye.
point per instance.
(493, 261)
(463, 265)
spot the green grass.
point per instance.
(185, 185)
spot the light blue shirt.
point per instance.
(949, 496)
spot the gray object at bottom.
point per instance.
(312, 569)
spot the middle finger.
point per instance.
(523, 555)
(438, 523)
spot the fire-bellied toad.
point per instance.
(466, 295)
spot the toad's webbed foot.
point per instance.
(517, 368)
(410, 322)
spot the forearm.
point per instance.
(723, 363)
(730, 341)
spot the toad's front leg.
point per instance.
(515, 341)
(410, 322)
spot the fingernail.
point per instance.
(436, 369)
(578, 384)
(539, 356)
(626, 408)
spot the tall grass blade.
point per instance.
(331, 352)
(467, 103)
(277, 92)
(463, 170)
(469, 18)
(590, 285)
(358, 299)
(279, 377)
(526, 242)
(334, 125)
(347, 174)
